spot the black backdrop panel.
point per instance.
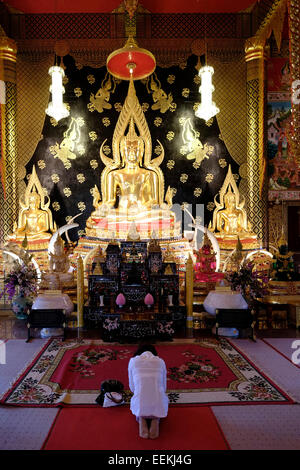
(69, 181)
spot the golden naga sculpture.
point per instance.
(35, 218)
(132, 184)
(230, 217)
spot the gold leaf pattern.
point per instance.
(171, 79)
(184, 205)
(170, 164)
(170, 135)
(197, 192)
(81, 178)
(222, 163)
(235, 176)
(197, 79)
(93, 135)
(182, 65)
(78, 65)
(210, 206)
(106, 149)
(196, 106)
(209, 177)
(94, 164)
(174, 191)
(118, 107)
(91, 79)
(90, 107)
(68, 218)
(41, 164)
(80, 149)
(157, 121)
(209, 122)
(184, 177)
(53, 122)
(78, 92)
(67, 192)
(56, 206)
(157, 150)
(65, 80)
(106, 121)
(196, 165)
(80, 121)
(173, 107)
(81, 206)
(145, 107)
(185, 92)
(45, 191)
(55, 178)
(183, 149)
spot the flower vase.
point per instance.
(20, 306)
(170, 300)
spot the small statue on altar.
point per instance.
(205, 266)
(283, 264)
(230, 217)
(59, 261)
(59, 275)
(35, 218)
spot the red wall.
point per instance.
(154, 6)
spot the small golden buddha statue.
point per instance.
(59, 261)
(35, 218)
(132, 185)
(230, 217)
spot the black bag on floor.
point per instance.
(109, 386)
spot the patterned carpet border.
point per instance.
(199, 379)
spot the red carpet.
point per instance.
(116, 428)
(207, 372)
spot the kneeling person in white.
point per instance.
(148, 382)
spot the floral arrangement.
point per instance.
(248, 282)
(23, 279)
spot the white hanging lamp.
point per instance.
(56, 108)
(207, 108)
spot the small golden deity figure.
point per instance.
(59, 261)
(230, 217)
(132, 185)
(35, 218)
(58, 275)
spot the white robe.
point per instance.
(148, 382)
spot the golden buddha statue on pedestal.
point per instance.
(230, 217)
(35, 218)
(132, 185)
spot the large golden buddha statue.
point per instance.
(35, 218)
(132, 185)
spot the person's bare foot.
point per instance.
(143, 428)
(154, 429)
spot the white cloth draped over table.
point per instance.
(148, 383)
(230, 299)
